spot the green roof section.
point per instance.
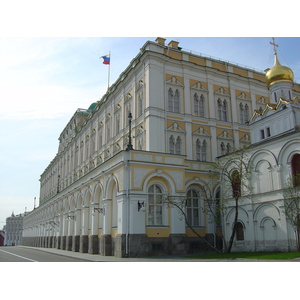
(92, 106)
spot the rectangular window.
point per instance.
(268, 132)
(157, 247)
(262, 134)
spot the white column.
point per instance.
(95, 218)
(77, 221)
(107, 216)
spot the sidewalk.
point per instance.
(99, 258)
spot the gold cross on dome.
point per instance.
(275, 45)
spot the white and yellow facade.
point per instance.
(186, 110)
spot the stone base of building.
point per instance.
(93, 244)
(84, 243)
(105, 245)
(50, 241)
(75, 243)
(69, 243)
(139, 245)
(63, 245)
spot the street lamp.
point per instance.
(129, 146)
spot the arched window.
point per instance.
(140, 104)
(239, 230)
(201, 150)
(117, 124)
(244, 113)
(242, 120)
(222, 148)
(178, 146)
(176, 101)
(199, 105)
(155, 205)
(172, 144)
(296, 169)
(204, 150)
(198, 150)
(170, 99)
(173, 100)
(219, 109)
(228, 148)
(193, 208)
(224, 112)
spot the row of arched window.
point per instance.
(201, 148)
(199, 106)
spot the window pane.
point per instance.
(189, 216)
(158, 215)
(195, 217)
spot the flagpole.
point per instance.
(109, 71)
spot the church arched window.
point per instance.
(239, 230)
(296, 169)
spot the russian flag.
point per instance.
(106, 59)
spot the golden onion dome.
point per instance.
(278, 73)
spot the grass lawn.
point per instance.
(250, 255)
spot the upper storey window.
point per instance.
(222, 110)
(175, 146)
(173, 100)
(199, 105)
(244, 113)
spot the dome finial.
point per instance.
(275, 45)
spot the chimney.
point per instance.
(173, 44)
(160, 41)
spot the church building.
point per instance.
(155, 134)
(274, 157)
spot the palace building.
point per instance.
(13, 230)
(154, 134)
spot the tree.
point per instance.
(291, 195)
(181, 204)
(235, 180)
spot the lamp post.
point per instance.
(129, 146)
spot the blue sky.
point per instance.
(44, 80)
(50, 66)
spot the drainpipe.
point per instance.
(127, 178)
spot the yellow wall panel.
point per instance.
(197, 61)
(157, 232)
(240, 72)
(173, 54)
(190, 233)
(259, 77)
(221, 67)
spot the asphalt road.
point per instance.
(20, 254)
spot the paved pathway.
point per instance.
(100, 258)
